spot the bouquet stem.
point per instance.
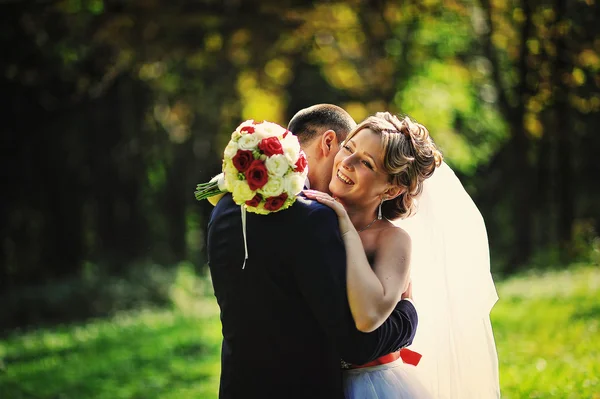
(210, 189)
(206, 190)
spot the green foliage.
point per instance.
(96, 294)
(546, 328)
(443, 96)
(130, 104)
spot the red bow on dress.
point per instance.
(410, 357)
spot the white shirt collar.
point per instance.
(307, 183)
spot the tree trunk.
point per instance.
(564, 160)
(175, 204)
(522, 204)
(546, 192)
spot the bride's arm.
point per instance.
(372, 293)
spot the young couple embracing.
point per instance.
(383, 238)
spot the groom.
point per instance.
(286, 320)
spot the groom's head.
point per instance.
(320, 130)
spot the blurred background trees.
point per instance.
(113, 110)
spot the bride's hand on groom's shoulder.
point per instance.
(326, 199)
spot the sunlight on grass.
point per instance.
(547, 332)
(546, 327)
(158, 354)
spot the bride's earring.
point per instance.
(379, 216)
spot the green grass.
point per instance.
(546, 328)
(157, 354)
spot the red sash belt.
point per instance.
(408, 356)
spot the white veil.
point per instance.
(453, 291)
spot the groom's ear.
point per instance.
(329, 143)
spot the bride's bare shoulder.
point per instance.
(393, 250)
(391, 235)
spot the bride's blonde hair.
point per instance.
(410, 157)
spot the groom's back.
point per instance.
(273, 346)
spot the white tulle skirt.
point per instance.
(395, 380)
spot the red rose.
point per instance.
(274, 203)
(257, 175)
(247, 129)
(254, 201)
(270, 146)
(301, 163)
(242, 160)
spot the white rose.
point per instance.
(274, 186)
(231, 149)
(261, 132)
(291, 148)
(291, 153)
(242, 192)
(244, 124)
(248, 141)
(235, 135)
(271, 129)
(277, 165)
(294, 183)
(291, 140)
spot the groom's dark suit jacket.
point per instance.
(286, 320)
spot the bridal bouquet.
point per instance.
(263, 167)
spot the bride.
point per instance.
(381, 176)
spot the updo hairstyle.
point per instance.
(410, 157)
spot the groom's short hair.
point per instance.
(309, 122)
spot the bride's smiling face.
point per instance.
(359, 176)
